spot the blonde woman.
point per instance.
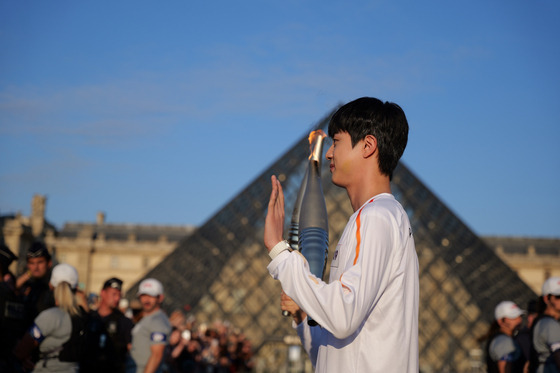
(53, 327)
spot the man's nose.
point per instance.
(329, 153)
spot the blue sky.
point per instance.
(161, 112)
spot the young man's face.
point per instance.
(110, 297)
(38, 266)
(149, 303)
(510, 324)
(343, 159)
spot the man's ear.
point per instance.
(369, 146)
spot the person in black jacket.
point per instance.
(108, 333)
(33, 284)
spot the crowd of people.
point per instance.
(48, 325)
(218, 347)
(533, 346)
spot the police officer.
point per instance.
(33, 285)
(109, 332)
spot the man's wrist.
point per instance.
(278, 248)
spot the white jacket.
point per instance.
(368, 312)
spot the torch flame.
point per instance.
(316, 144)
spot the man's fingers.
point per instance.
(274, 193)
(276, 202)
(280, 193)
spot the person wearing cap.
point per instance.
(53, 327)
(11, 311)
(546, 330)
(503, 353)
(33, 284)
(151, 334)
(109, 332)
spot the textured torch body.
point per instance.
(314, 243)
(311, 220)
(293, 239)
(313, 223)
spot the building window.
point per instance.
(114, 262)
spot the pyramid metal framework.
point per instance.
(219, 272)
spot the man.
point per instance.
(368, 312)
(33, 285)
(151, 334)
(109, 332)
(546, 330)
(503, 353)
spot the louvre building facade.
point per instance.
(219, 271)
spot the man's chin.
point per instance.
(337, 183)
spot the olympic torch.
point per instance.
(293, 239)
(293, 233)
(309, 220)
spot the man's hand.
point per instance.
(23, 279)
(274, 223)
(287, 304)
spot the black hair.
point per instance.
(385, 121)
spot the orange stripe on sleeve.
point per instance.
(358, 233)
(358, 241)
(358, 237)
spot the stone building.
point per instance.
(18, 232)
(98, 250)
(533, 259)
